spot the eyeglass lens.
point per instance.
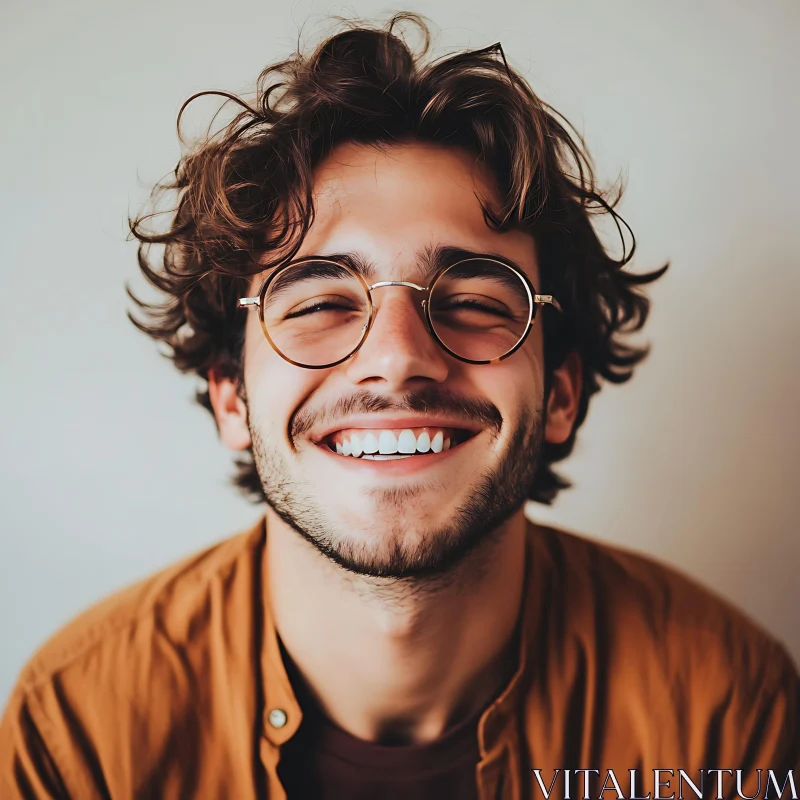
(316, 312)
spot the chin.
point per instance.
(405, 507)
(372, 528)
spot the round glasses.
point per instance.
(316, 313)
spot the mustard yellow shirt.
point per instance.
(175, 687)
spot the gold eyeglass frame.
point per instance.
(534, 301)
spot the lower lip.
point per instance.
(399, 466)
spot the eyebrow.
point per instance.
(312, 269)
(429, 261)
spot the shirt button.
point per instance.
(277, 718)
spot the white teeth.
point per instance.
(387, 443)
(385, 458)
(407, 442)
(370, 443)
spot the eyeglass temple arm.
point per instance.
(245, 302)
(542, 299)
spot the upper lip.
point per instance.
(378, 422)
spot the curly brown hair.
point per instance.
(244, 202)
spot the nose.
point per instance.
(399, 350)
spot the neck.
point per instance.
(391, 660)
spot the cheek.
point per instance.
(275, 390)
(529, 368)
(513, 386)
(522, 375)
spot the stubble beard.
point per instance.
(497, 494)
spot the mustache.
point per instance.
(430, 400)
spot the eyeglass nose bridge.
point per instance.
(408, 284)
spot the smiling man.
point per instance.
(410, 451)
(385, 271)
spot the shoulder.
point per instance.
(168, 605)
(633, 589)
(660, 643)
(123, 693)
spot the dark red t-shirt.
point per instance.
(323, 762)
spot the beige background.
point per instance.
(109, 472)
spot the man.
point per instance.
(386, 273)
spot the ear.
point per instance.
(562, 402)
(230, 411)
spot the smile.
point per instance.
(393, 444)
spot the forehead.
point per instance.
(392, 205)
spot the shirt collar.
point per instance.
(281, 713)
(493, 721)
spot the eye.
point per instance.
(320, 305)
(476, 303)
